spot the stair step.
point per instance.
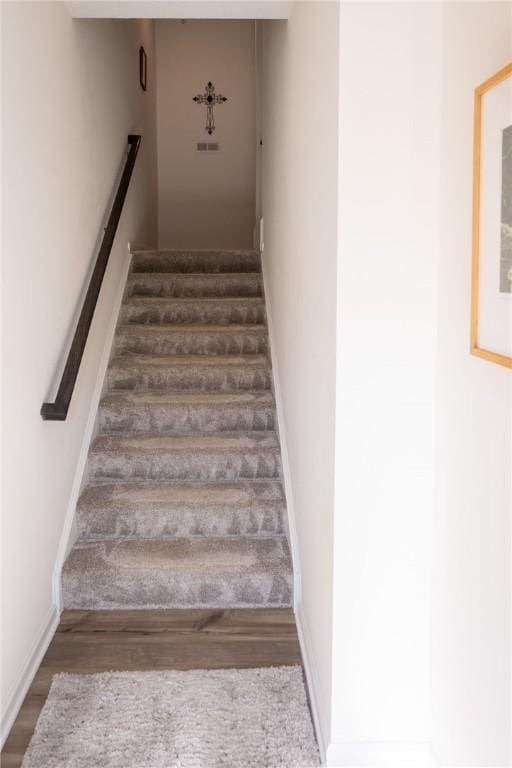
(190, 340)
(190, 372)
(196, 261)
(185, 413)
(183, 505)
(194, 284)
(160, 310)
(220, 457)
(156, 510)
(178, 573)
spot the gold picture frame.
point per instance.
(486, 354)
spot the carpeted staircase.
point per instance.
(183, 505)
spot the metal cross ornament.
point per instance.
(209, 98)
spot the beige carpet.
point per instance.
(183, 505)
(250, 718)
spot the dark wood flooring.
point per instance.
(100, 641)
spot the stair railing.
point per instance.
(58, 410)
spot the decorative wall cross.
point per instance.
(209, 98)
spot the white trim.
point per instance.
(69, 531)
(287, 480)
(15, 698)
(258, 68)
(400, 754)
(180, 9)
(317, 699)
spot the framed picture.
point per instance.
(491, 284)
(143, 68)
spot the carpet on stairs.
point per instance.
(183, 505)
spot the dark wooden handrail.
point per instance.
(58, 410)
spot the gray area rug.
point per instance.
(248, 718)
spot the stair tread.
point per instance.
(193, 339)
(194, 572)
(131, 372)
(219, 310)
(216, 275)
(185, 412)
(189, 493)
(150, 397)
(243, 441)
(181, 510)
(190, 328)
(192, 299)
(256, 360)
(225, 277)
(182, 554)
(179, 261)
(195, 284)
(225, 456)
(213, 251)
(196, 277)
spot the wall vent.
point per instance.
(204, 146)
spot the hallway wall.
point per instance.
(386, 345)
(422, 539)
(472, 568)
(300, 123)
(206, 199)
(71, 95)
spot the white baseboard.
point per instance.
(286, 477)
(257, 236)
(317, 699)
(68, 535)
(15, 698)
(380, 755)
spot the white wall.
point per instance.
(421, 662)
(299, 210)
(70, 97)
(403, 544)
(206, 199)
(472, 718)
(390, 58)
(180, 9)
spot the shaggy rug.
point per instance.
(248, 718)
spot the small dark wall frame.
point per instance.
(143, 68)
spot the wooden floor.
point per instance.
(100, 641)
